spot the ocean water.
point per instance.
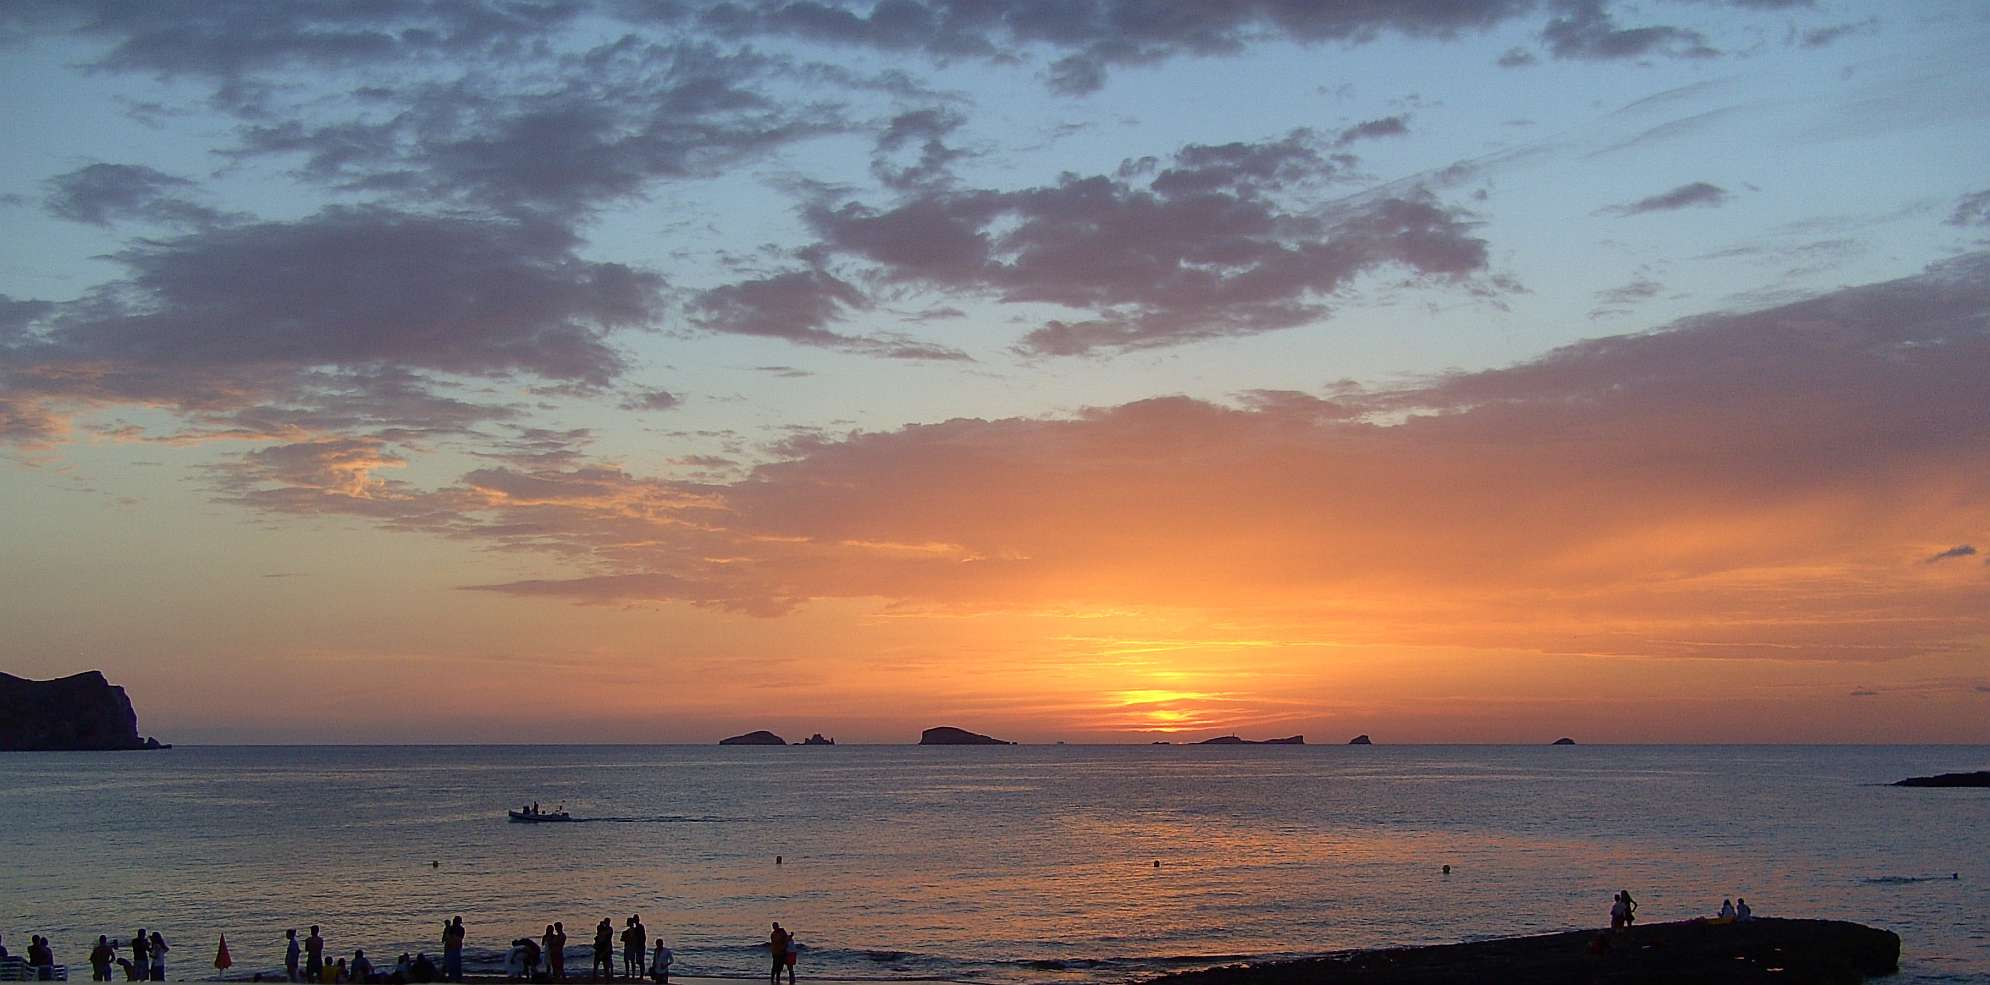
(987, 864)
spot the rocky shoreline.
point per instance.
(1814, 952)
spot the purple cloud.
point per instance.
(1584, 29)
(356, 286)
(651, 400)
(104, 194)
(1388, 126)
(1960, 550)
(1971, 210)
(1697, 194)
(1202, 250)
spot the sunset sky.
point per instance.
(1096, 370)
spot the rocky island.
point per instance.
(761, 737)
(1361, 740)
(79, 713)
(1231, 740)
(818, 740)
(947, 735)
(1563, 741)
(1980, 778)
(1818, 952)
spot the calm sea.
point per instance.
(995, 864)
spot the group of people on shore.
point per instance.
(541, 960)
(306, 959)
(528, 959)
(1624, 911)
(146, 963)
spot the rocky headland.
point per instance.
(947, 735)
(1980, 778)
(1231, 740)
(1563, 741)
(761, 737)
(1361, 740)
(818, 740)
(82, 712)
(1758, 952)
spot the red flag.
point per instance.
(221, 959)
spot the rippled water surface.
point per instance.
(999, 864)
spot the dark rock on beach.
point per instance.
(759, 738)
(1231, 740)
(82, 712)
(1563, 741)
(947, 735)
(1980, 778)
(1815, 952)
(1360, 740)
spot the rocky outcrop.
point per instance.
(1563, 741)
(82, 712)
(1980, 778)
(818, 740)
(1360, 740)
(759, 738)
(1759, 952)
(947, 735)
(1231, 740)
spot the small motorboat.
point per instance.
(539, 817)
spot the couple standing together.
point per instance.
(783, 946)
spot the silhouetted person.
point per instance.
(633, 941)
(794, 951)
(292, 952)
(314, 956)
(1630, 909)
(452, 949)
(1727, 909)
(604, 951)
(141, 952)
(39, 953)
(556, 952)
(1741, 911)
(777, 946)
(660, 963)
(362, 969)
(158, 949)
(1617, 911)
(101, 957)
(425, 970)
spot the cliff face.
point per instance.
(80, 712)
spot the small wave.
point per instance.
(658, 819)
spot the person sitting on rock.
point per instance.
(1727, 909)
(1742, 913)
